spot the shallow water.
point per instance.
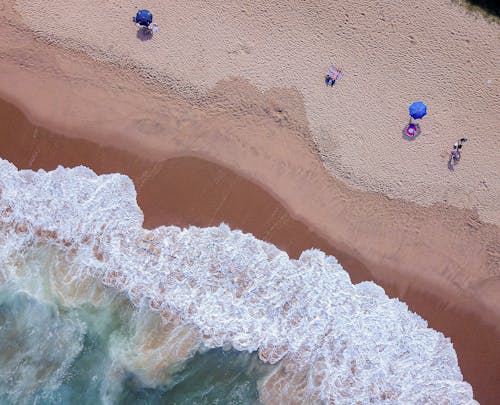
(97, 309)
(51, 353)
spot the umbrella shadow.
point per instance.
(144, 34)
(408, 137)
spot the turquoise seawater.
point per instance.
(94, 309)
(54, 354)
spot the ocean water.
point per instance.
(95, 309)
(54, 353)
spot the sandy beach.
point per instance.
(224, 117)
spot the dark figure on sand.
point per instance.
(335, 75)
(329, 80)
(456, 152)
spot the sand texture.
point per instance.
(189, 191)
(452, 250)
(392, 54)
(241, 85)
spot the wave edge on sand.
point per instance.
(338, 340)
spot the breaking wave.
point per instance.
(73, 238)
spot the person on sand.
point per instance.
(412, 130)
(333, 75)
(457, 149)
(337, 75)
(329, 80)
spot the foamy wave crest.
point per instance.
(334, 341)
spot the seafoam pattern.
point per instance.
(351, 343)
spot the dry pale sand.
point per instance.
(393, 53)
(242, 86)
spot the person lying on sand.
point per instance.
(335, 75)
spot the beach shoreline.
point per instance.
(186, 191)
(265, 177)
(268, 61)
(450, 248)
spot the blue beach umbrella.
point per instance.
(144, 17)
(417, 109)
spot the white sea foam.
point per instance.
(350, 342)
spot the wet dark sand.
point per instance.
(187, 191)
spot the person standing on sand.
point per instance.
(457, 149)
